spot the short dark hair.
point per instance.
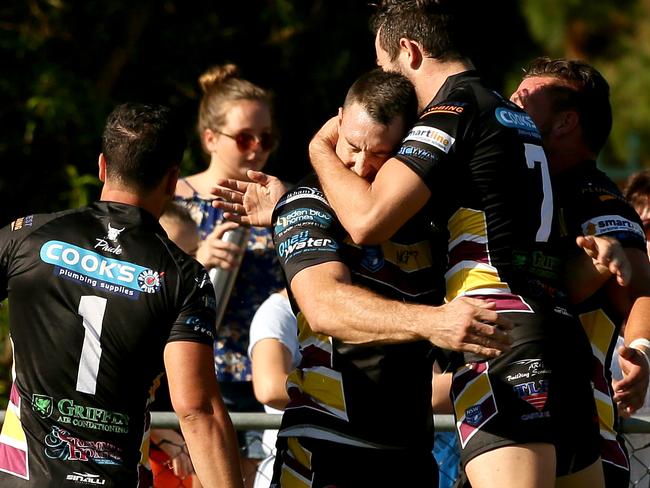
(385, 96)
(586, 92)
(432, 23)
(637, 188)
(141, 142)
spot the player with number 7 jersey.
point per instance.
(95, 295)
(495, 222)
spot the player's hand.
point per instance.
(471, 325)
(630, 391)
(249, 202)
(607, 252)
(325, 139)
(214, 252)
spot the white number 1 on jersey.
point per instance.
(91, 309)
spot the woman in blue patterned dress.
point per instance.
(236, 131)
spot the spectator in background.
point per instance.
(236, 130)
(274, 353)
(637, 192)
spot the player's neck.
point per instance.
(432, 75)
(152, 202)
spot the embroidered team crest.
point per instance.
(473, 415)
(42, 405)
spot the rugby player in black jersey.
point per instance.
(102, 304)
(361, 397)
(477, 160)
(569, 102)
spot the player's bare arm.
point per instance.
(202, 415)
(335, 307)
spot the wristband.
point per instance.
(645, 343)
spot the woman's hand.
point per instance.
(214, 252)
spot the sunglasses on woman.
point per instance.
(246, 141)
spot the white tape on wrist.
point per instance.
(645, 347)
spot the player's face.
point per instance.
(534, 97)
(247, 118)
(364, 145)
(383, 58)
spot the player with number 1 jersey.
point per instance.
(99, 293)
(493, 223)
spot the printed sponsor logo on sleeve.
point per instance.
(432, 136)
(302, 192)
(416, 152)
(606, 224)
(302, 216)
(449, 108)
(303, 242)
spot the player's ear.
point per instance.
(101, 163)
(566, 121)
(340, 117)
(172, 180)
(413, 51)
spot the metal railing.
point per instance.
(259, 420)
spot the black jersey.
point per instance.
(481, 157)
(590, 203)
(367, 396)
(95, 294)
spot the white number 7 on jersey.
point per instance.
(535, 158)
(91, 309)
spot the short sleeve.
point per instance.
(306, 231)
(274, 319)
(196, 321)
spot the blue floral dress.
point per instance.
(259, 275)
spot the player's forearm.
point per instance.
(213, 447)
(358, 316)
(349, 195)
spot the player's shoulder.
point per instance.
(591, 183)
(23, 226)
